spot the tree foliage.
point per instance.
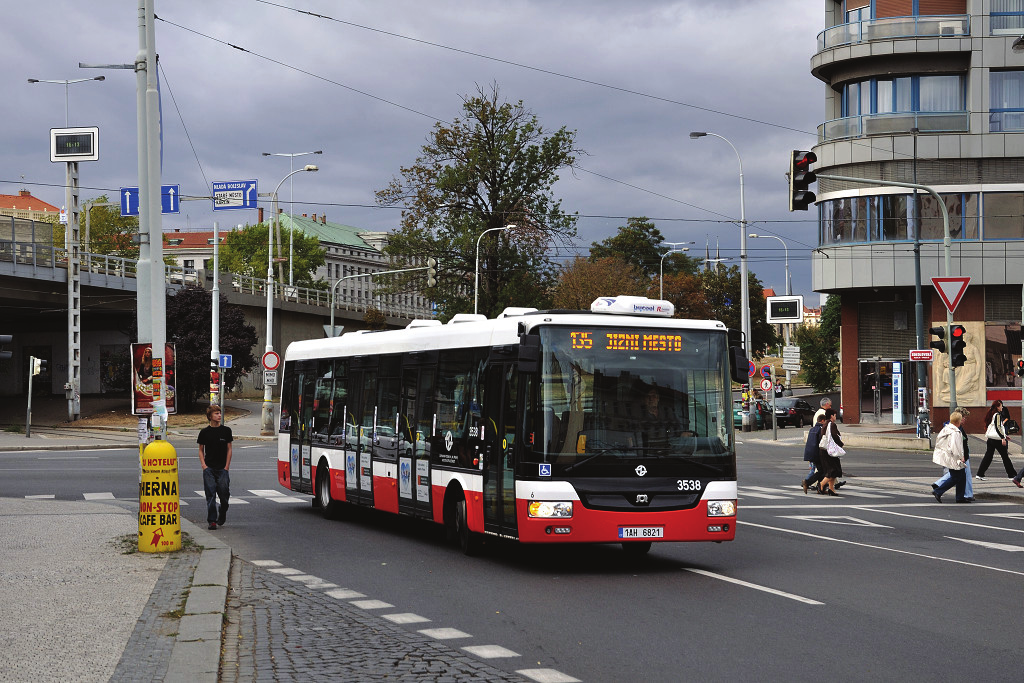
(189, 326)
(722, 293)
(686, 292)
(819, 347)
(493, 167)
(245, 253)
(583, 280)
(639, 243)
(109, 232)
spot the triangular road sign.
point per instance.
(951, 289)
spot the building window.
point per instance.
(1006, 101)
(1006, 16)
(189, 264)
(1003, 215)
(931, 94)
(893, 218)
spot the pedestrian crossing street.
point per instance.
(257, 495)
(796, 491)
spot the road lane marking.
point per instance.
(986, 544)
(490, 651)
(42, 496)
(106, 495)
(370, 604)
(344, 594)
(444, 633)
(849, 521)
(747, 584)
(547, 676)
(405, 618)
(879, 547)
(947, 521)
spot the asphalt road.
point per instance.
(879, 584)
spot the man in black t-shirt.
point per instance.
(215, 459)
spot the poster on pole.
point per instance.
(149, 381)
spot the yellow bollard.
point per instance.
(159, 520)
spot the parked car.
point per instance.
(764, 414)
(757, 409)
(793, 411)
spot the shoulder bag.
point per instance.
(830, 446)
(993, 431)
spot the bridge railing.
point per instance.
(47, 256)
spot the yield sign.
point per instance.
(951, 289)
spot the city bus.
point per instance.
(612, 425)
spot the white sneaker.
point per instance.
(976, 476)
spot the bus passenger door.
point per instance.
(499, 425)
(359, 436)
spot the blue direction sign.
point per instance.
(234, 194)
(225, 360)
(170, 201)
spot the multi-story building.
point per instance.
(24, 205)
(928, 92)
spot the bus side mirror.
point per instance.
(739, 366)
(529, 354)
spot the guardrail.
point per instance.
(41, 255)
(894, 124)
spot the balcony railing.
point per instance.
(894, 124)
(889, 28)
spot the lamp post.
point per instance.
(291, 206)
(267, 415)
(476, 269)
(661, 266)
(66, 83)
(785, 326)
(744, 285)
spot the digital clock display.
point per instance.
(74, 145)
(657, 342)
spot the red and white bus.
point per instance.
(613, 425)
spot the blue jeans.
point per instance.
(216, 484)
(969, 490)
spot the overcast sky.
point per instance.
(367, 83)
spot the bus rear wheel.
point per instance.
(636, 548)
(329, 507)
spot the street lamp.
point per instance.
(785, 326)
(476, 269)
(661, 266)
(291, 205)
(267, 415)
(66, 83)
(744, 285)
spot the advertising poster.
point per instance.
(149, 381)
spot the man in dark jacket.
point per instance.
(815, 473)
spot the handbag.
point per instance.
(1011, 427)
(992, 432)
(829, 444)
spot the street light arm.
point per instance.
(476, 269)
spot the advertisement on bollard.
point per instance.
(159, 505)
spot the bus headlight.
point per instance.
(721, 508)
(549, 509)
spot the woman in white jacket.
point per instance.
(949, 452)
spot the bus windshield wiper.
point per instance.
(603, 451)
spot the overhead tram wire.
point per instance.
(188, 137)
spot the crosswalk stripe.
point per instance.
(106, 495)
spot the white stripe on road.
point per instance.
(720, 577)
(344, 594)
(370, 604)
(547, 676)
(490, 651)
(99, 496)
(444, 633)
(879, 547)
(405, 618)
(42, 496)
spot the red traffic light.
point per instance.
(1020, 368)
(958, 331)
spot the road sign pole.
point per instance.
(775, 422)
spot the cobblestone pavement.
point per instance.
(276, 630)
(148, 651)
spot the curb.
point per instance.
(197, 647)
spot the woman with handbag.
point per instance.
(995, 434)
(949, 452)
(830, 449)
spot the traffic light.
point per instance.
(800, 178)
(938, 344)
(1020, 368)
(431, 272)
(5, 339)
(957, 346)
(38, 365)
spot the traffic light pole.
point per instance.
(947, 246)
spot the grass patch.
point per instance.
(14, 429)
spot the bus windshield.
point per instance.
(611, 393)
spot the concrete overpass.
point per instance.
(34, 301)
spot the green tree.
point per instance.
(819, 347)
(109, 232)
(189, 326)
(493, 167)
(245, 253)
(722, 292)
(639, 243)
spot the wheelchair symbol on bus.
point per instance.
(545, 470)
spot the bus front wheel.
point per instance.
(329, 507)
(468, 541)
(636, 548)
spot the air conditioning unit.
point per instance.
(949, 28)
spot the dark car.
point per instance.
(793, 411)
(764, 413)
